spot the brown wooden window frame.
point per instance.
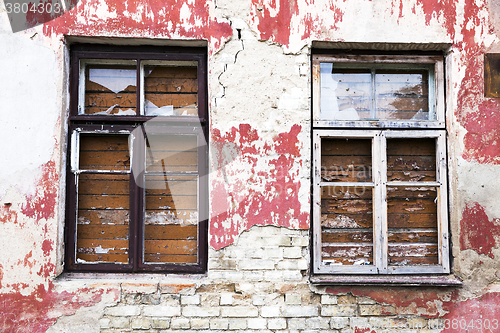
(379, 131)
(80, 123)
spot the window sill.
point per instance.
(449, 280)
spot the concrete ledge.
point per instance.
(450, 280)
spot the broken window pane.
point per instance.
(171, 153)
(110, 89)
(170, 88)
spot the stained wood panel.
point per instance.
(346, 160)
(104, 152)
(411, 159)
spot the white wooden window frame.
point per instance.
(379, 131)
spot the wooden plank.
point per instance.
(173, 232)
(159, 186)
(172, 143)
(411, 147)
(102, 217)
(173, 72)
(103, 142)
(125, 100)
(88, 231)
(405, 220)
(350, 206)
(346, 147)
(346, 235)
(105, 160)
(177, 100)
(412, 236)
(411, 176)
(412, 250)
(180, 259)
(100, 184)
(364, 220)
(182, 202)
(163, 85)
(350, 261)
(104, 246)
(346, 192)
(170, 247)
(411, 206)
(103, 258)
(92, 201)
(409, 261)
(348, 254)
(92, 87)
(414, 192)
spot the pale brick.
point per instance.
(139, 288)
(131, 299)
(365, 300)
(123, 311)
(328, 299)
(170, 300)
(292, 276)
(190, 299)
(140, 323)
(300, 311)
(273, 275)
(295, 299)
(273, 253)
(346, 299)
(161, 311)
(179, 323)
(226, 299)
(196, 311)
(359, 322)
(239, 311)
(376, 310)
(255, 253)
(160, 323)
(297, 323)
(238, 324)
(281, 240)
(184, 289)
(292, 252)
(119, 322)
(219, 324)
(104, 322)
(253, 275)
(224, 264)
(151, 299)
(254, 264)
(339, 322)
(257, 323)
(199, 323)
(338, 310)
(258, 299)
(317, 323)
(270, 311)
(210, 300)
(276, 323)
(300, 241)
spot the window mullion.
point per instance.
(136, 201)
(380, 202)
(317, 202)
(442, 224)
(373, 111)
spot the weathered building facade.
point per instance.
(261, 260)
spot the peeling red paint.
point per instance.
(275, 27)
(237, 206)
(477, 231)
(47, 246)
(474, 315)
(42, 204)
(428, 302)
(7, 214)
(170, 19)
(38, 311)
(362, 330)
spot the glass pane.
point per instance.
(110, 89)
(346, 160)
(171, 88)
(347, 225)
(104, 152)
(402, 95)
(171, 153)
(345, 94)
(412, 223)
(411, 160)
(171, 219)
(103, 218)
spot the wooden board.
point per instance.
(346, 160)
(104, 152)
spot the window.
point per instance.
(379, 165)
(138, 159)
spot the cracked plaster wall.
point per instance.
(259, 92)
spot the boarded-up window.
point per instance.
(137, 177)
(380, 203)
